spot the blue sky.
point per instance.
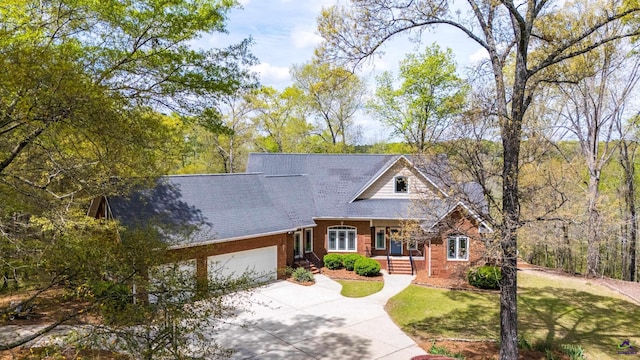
(284, 34)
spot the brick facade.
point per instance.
(436, 256)
(201, 253)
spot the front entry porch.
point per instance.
(408, 265)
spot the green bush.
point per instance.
(485, 277)
(302, 275)
(349, 260)
(366, 267)
(332, 261)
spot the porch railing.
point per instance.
(315, 259)
(411, 261)
(388, 263)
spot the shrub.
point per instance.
(575, 352)
(302, 275)
(485, 277)
(349, 260)
(288, 271)
(441, 350)
(332, 261)
(366, 267)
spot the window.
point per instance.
(308, 240)
(458, 248)
(412, 245)
(342, 238)
(381, 239)
(401, 184)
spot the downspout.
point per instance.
(429, 260)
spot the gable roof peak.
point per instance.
(388, 166)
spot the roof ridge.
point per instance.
(210, 175)
(323, 154)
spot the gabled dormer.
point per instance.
(399, 179)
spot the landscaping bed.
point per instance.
(344, 274)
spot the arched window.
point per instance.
(342, 238)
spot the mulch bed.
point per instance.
(423, 279)
(343, 274)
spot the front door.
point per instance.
(297, 245)
(396, 247)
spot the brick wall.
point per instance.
(363, 238)
(201, 253)
(457, 224)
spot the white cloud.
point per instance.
(303, 38)
(272, 75)
(478, 56)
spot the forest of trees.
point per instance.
(93, 94)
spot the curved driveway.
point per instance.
(290, 321)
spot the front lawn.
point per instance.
(561, 311)
(357, 288)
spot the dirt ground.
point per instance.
(631, 290)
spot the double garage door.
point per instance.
(262, 263)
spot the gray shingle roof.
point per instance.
(279, 192)
(335, 179)
(213, 206)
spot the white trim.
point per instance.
(244, 237)
(385, 170)
(375, 242)
(347, 229)
(406, 184)
(457, 239)
(304, 240)
(300, 242)
(363, 219)
(428, 179)
(473, 213)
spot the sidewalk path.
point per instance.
(315, 322)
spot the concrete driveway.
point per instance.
(290, 321)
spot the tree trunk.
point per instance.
(567, 263)
(630, 202)
(509, 281)
(593, 232)
(511, 138)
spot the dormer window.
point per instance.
(401, 184)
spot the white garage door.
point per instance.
(262, 263)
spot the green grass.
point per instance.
(359, 288)
(559, 311)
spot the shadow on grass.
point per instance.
(470, 315)
(577, 317)
(552, 315)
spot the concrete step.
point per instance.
(399, 267)
(307, 265)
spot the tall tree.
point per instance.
(522, 40)
(596, 94)
(68, 64)
(333, 95)
(81, 90)
(281, 118)
(628, 155)
(429, 96)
